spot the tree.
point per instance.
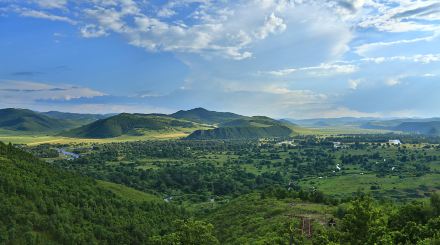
(188, 232)
(364, 223)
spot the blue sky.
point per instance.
(297, 58)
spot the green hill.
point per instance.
(201, 115)
(245, 128)
(41, 204)
(257, 121)
(30, 121)
(427, 128)
(127, 124)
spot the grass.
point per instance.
(249, 219)
(128, 193)
(392, 186)
(52, 139)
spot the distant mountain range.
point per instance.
(228, 125)
(425, 126)
(197, 123)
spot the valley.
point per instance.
(238, 179)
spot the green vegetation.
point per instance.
(43, 204)
(245, 128)
(249, 132)
(427, 128)
(30, 121)
(76, 119)
(125, 123)
(201, 115)
(246, 180)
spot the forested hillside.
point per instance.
(41, 204)
(127, 124)
(30, 121)
(202, 115)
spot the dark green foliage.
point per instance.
(42, 204)
(27, 120)
(250, 132)
(126, 123)
(188, 232)
(202, 115)
(245, 128)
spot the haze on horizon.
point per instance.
(280, 58)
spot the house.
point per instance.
(338, 145)
(394, 142)
(286, 142)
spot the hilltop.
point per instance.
(30, 121)
(201, 115)
(245, 128)
(126, 123)
(426, 128)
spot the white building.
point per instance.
(394, 142)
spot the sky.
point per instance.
(280, 58)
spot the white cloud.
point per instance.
(402, 16)
(44, 15)
(418, 58)
(273, 24)
(51, 3)
(393, 81)
(354, 83)
(365, 49)
(28, 92)
(227, 28)
(321, 70)
(92, 31)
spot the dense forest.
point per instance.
(42, 204)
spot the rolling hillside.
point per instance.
(30, 121)
(125, 123)
(41, 204)
(201, 115)
(427, 128)
(245, 128)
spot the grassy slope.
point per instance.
(251, 220)
(128, 193)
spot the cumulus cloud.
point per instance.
(402, 16)
(92, 31)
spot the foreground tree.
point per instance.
(188, 232)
